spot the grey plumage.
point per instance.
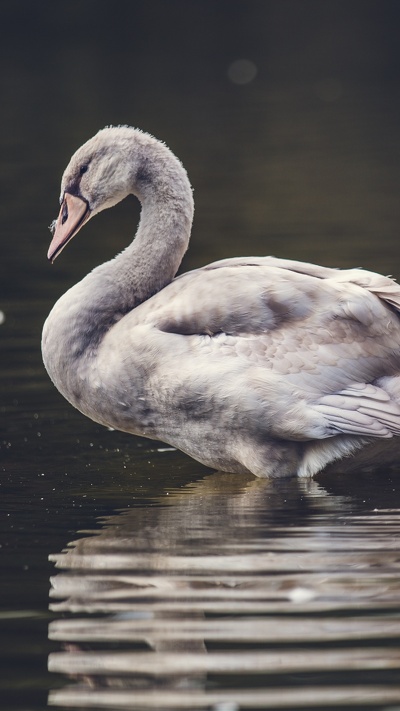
(256, 364)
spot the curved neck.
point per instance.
(152, 260)
(159, 181)
(82, 316)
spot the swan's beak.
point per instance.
(73, 214)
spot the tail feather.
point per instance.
(384, 288)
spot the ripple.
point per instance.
(207, 600)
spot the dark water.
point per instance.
(132, 577)
(229, 593)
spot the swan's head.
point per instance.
(99, 175)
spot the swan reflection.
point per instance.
(232, 590)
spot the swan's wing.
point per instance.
(300, 343)
(384, 287)
(264, 295)
(361, 409)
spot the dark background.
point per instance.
(302, 161)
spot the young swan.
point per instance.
(254, 364)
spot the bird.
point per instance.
(259, 365)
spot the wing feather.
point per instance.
(361, 409)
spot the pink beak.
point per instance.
(73, 214)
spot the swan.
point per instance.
(256, 364)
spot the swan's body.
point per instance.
(254, 364)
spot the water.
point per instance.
(131, 576)
(232, 593)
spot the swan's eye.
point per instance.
(64, 216)
(83, 169)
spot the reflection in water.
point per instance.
(233, 593)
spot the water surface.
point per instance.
(233, 593)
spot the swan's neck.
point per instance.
(81, 318)
(151, 261)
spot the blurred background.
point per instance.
(284, 112)
(286, 115)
